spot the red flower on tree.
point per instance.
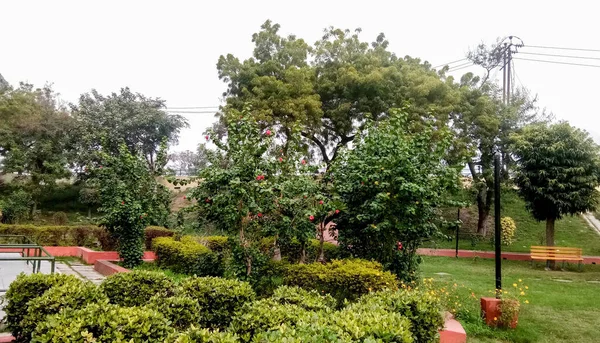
(268, 132)
(311, 218)
(337, 211)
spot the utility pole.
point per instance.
(509, 49)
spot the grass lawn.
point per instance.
(558, 311)
(569, 231)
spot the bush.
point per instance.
(293, 250)
(186, 256)
(343, 279)
(264, 315)
(69, 295)
(77, 235)
(308, 299)
(16, 207)
(421, 308)
(197, 335)
(374, 324)
(153, 232)
(24, 289)
(137, 287)
(104, 323)
(509, 229)
(182, 312)
(60, 218)
(218, 244)
(219, 298)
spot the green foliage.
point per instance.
(70, 295)
(153, 232)
(104, 323)
(218, 298)
(23, 289)
(558, 170)
(131, 199)
(342, 279)
(16, 207)
(293, 250)
(307, 299)
(59, 218)
(182, 312)
(509, 229)
(80, 235)
(198, 335)
(393, 182)
(420, 307)
(136, 288)
(264, 315)
(186, 256)
(217, 244)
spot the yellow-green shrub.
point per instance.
(137, 287)
(343, 279)
(198, 335)
(186, 256)
(509, 229)
(182, 312)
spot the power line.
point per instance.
(567, 56)
(560, 48)
(445, 64)
(193, 112)
(465, 66)
(556, 62)
(191, 108)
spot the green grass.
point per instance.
(151, 266)
(571, 231)
(557, 311)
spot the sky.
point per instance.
(169, 49)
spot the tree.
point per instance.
(558, 172)
(131, 198)
(393, 182)
(330, 88)
(35, 138)
(139, 121)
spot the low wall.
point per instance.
(513, 256)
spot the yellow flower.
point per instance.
(455, 285)
(514, 285)
(495, 318)
(527, 301)
(522, 293)
(376, 183)
(526, 287)
(520, 280)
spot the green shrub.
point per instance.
(23, 289)
(60, 218)
(186, 256)
(16, 207)
(509, 229)
(76, 235)
(293, 250)
(308, 299)
(264, 315)
(137, 287)
(153, 232)
(104, 323)
(374, 324)
(182, 312)
(197, 335)
(218, 298)
(421, 308)
(73, 294)
(219, 244)
(343, 279)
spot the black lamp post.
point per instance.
(497, 228)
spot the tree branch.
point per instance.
(319, 144)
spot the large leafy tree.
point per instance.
(140, 122)
(393, 182)
(130, 198)
(35, 133)
(331, 87)
(558, 172)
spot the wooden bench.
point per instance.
(564, 254)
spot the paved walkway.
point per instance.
(592, 221)
(10, 269)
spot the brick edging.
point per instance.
(513, 256)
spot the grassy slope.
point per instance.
(570, 231)
(557, 312)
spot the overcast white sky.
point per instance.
(169, 49)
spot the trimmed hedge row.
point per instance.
(343, 279)
(56, 308)
(84, 235)
(186, 256)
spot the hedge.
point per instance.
(343, 279)
(83, 235)
(137, 287)
(219, 298)
(198, 335)
(104, 323)
(182, 312)
(186, 256)
(24, 289)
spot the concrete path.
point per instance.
(592, 221)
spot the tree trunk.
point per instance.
(34, 210)
(550, 239)
(321, 255)
(89, 212)
(276, 250)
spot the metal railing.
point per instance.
(30, 252)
